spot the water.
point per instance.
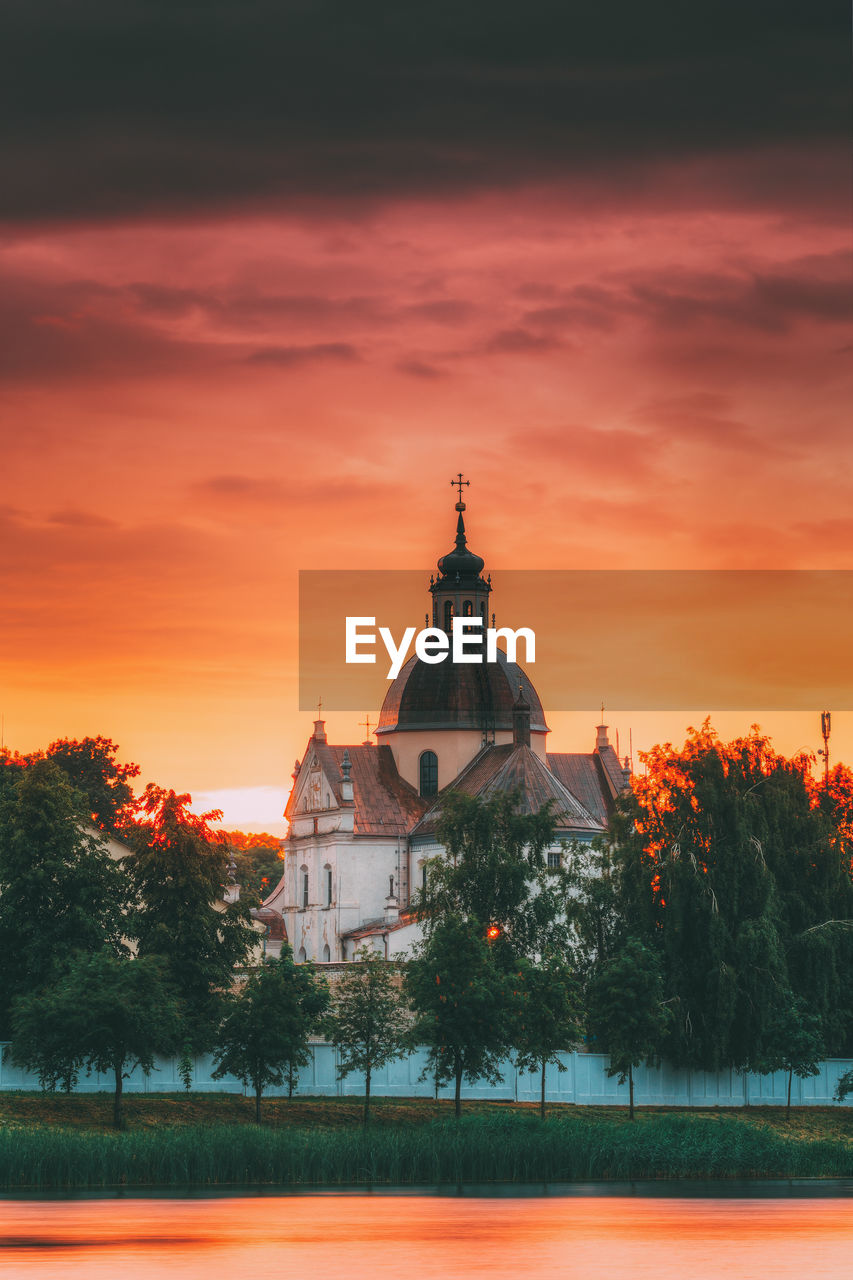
(426, 1237)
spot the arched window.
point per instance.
(304, 874)
(448, 615)
(429, 773)
(468, 609)
(327, 955)
(328, 873)
(423, 877)
(302, 957)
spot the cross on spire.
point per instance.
(459, 483)
(320, 709)
(366, 723)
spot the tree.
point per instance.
(626, 1012)
(796, 1045)
(368, 1023)
(463, 1005)
(107, 1012)
(727, 867)
(264, 1036)
(60, 892)
(548, 1020)
(844, 1086)
(494, 872)
(179, 869)
(91, 767)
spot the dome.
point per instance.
(450, 695)
(460, 563)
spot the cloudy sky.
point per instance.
(270, 273)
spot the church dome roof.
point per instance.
(450, 695)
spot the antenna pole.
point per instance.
(825, 725)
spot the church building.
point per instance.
(362, 816)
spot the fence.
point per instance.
(584, 1082)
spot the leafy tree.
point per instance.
(368, 1023)
(60, 892)
(844, 1086)
(725, 865)
(179, 868)
(494, 872)
(264, 1037)
(91, 766)
(592, 904)
(463, 1003)
(626, 1012)
(108, 1013)
(259, 861)
(548, 1021)
(796, 1045)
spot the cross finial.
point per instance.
(459, 483)
(366, 723)
(602, 713)
(320, 709)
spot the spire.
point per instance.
(460, 564)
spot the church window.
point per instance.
(304, 887)
(328, 886)
(428, 773)
(555, 859)
(423, 877)
(467, 609)
(302, 957)
(327, 955)
(448, 615)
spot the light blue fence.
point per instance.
(584, 1082)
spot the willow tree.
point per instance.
(727, 869)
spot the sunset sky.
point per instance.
(271, 273)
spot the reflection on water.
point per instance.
(367, 1237)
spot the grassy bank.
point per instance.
(491, 1147)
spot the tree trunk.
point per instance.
(542, 1093)
(631, 1092)
(458, 1095)
(366, 1096)
(258, 1102)
(788, 1107)
(117, 1116)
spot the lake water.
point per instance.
(416, 1236)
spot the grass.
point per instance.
(494, 1143)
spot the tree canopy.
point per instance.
(263, 1039)
(108, 1013)
(369, 1022)
(179, 869)
(727, 866)
(60, 891)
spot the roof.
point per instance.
(513, 767)
(452, 695)
(596, 779)
(383, 802)
(370, 928)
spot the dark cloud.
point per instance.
(519, 342)
(293, 357)
(75, 518)
(419, 369)
(447, 311)
(151, 107)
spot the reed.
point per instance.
(480, 1149)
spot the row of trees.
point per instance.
(713, 927)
